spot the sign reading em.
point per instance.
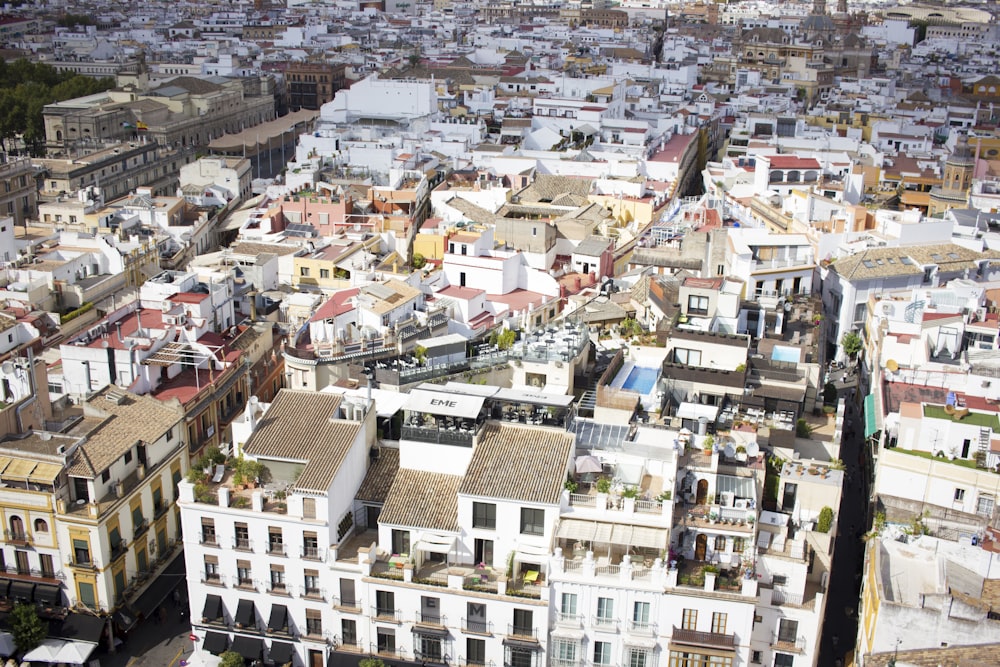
(444, 403)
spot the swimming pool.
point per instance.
(641, 380)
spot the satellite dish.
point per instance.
(891, 366)
(7, 367)
(753, 449)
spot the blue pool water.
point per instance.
(641, 379)
(782, 353)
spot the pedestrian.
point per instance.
(163, 614)
(177, 597)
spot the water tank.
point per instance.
(702, 425)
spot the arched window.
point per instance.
(16, 527)
(41, 526)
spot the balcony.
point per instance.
(159, 509)
(431, 620)
(82, 563)
(385, 614)
(242, 544)
(18, 538)
(781, 641)
(208, 540)
(709, 639)
(476, 627)
(212, 579)
(565, 620)
(275, 588)
(605, 623)
(644, 628)
(312, 553)
(313, 593)
(523, 633)
(119, 550)
(350, 606)
(276, 549)
(140, 529)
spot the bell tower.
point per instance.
(819, 7)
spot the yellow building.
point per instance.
(330, 268)
(117, 524)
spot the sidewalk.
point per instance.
(155, 644)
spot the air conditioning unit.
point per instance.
(741, 504)
(727, 498)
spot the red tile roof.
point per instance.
(338, 304)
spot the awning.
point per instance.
(640, 642)
(7, 645)
(446, 404)
(245, 614)
(568, 633)
(19, 469)
(60, 651)
(740, 487)
(279, 618)
(165, 582)
(4, 587)
(215, 642)
(430, 630)
(697, 410)
(249, 647)
(48, 595)
(629, 474)
(281, 652)
(533, 397)
(213, 608)
(532, 551)
(575, 529)
(794, 394)
(22, 590)
(434, 544)
(45, 473)
(870, 422)
(530, 644)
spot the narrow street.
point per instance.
(841, 624)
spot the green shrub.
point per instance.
(630, 492)
(802, 428)
(825, 521)
(73, 314)
(603, 485)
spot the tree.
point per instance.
(851, 342)
(27, 628)
(371, 662)
(419, 260)
(230, 659)
(825, 521)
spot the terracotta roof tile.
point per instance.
(375, 486)
(422, 500)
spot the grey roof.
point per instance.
(593, 246)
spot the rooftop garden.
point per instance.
(962, 416)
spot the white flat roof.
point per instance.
(445, 403)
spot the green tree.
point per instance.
(825, 521)
(371, 662)
(230, 659)
(28, 630)
(851, 342)
(419, 260)
(802, 428)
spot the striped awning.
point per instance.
(45, 473)
(19, 469)
(612, 533)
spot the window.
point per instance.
(719, 622)
(312, 582)
(349, 632)
(386, 640)
(128, 456)
(484, 552)
(602, 653)
(428, 648)
(522, 622)
(720, 542)
(637, 657)
(243, 576)
(41, 526)
(48, 569)
(689, 619)
(984, 506)
(605, 611)
(532, 521)
(687, 357)
(484, 515)
(640, 615)
(106, 475)
(959, 495)
(304, 271)
(697, 305)
(755, 657)
(788, 630)
(475, 651)
(324, 273)
(308, 508)
(242, 539)
(314, 622)
(211, 568)
(568, 605)
(277, 578)
(739, 545)
(564, 652)
(81, 552)
(275, 543)
(310, 545)
(385, 603)
(783, 660)
(208, 531)
(400, 541)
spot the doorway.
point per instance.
(700, 544)
(315, 658)
(701, 497)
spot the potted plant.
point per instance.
(630, 492)
(741, 453)
(708, 445)
(571, 485)
(603, 485)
